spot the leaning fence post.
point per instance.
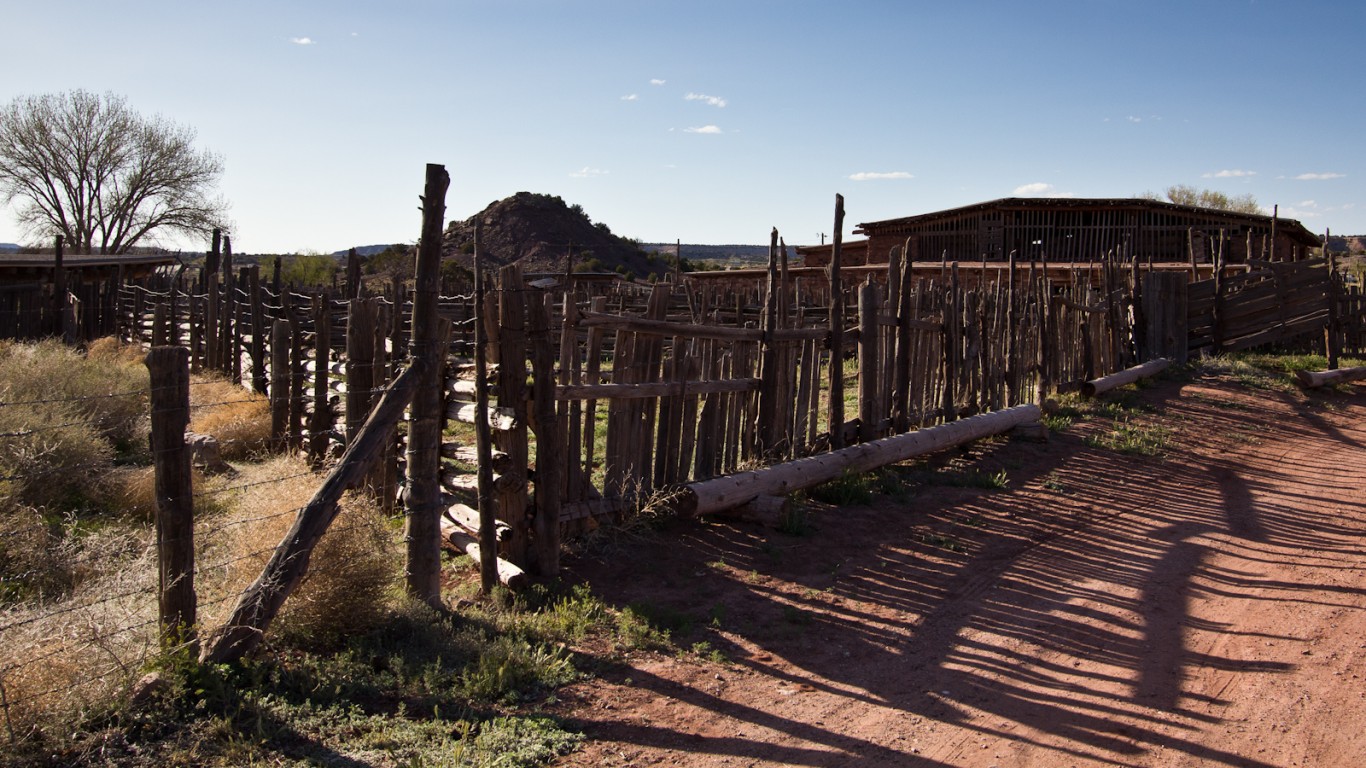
(422, 512)
(170, 373)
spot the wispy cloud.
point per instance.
(1320, 176)
(1133, 119)
(656, 81)
(879, 175)
(630, 97)
(301, 40)
(587, 172)
(1037, 189)
(1229, 174)
(715, 101)
(708, 129)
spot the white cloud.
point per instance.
(301, 40)
(708, 129)
(715, 101)
(1037, 189)
(629, 97)
(1320, 176)
(878, 175)
(1133, 119)
(656, 81)
(1307, 204)
(1229, 174)
(586, 172)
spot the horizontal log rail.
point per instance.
(721, 493)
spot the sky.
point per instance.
(715, 122)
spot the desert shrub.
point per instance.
(51, 455)
(350, 571)
(237, 417)
(35, 557)
(108, 388)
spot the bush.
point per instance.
(350, 572)
(237, 417)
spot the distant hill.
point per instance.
(1347, 243)
(723, 256)
(363, 250)
(8, 247)
(538, 231)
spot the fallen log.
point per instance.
(509, 575)
(721, 493)
(1316, 379)
(1127, 376)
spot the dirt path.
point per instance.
(1200, 608)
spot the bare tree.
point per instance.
(89, 168)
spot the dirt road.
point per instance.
(1199, 607)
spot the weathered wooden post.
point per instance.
(766, 427)
(488, 519)
(320, 422)
(869, 361)
(298, 377)
(361, 318)
(550, 453)
(59, 294)
(512, 496)
(1331, 331)
(836, 404)
(258, 329)
(422, 511)
(170, 401)
(352, 275)
(279, 385)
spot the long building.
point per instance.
(1065, 229)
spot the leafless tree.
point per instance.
(89, 168)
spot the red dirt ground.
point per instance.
(1203, 607)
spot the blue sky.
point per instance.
(713, 122)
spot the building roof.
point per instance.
(1291, 227)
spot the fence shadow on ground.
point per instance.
(1063, 612)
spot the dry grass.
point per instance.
(350, 573)
(62, 660)
(237, 417)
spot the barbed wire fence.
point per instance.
(80, 617)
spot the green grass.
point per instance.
(1130, 437)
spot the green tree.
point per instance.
(1185, 194)
(311, 269)
(105, 178)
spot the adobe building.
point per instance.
(1064, 229)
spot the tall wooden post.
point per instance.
(59, 294)
(550, 453)
(422, 511)
(488, 544)
(836, 405)
(1331, 336)
(766, 426)
(170, 400)
(869, 361)
(279, 384)
(258, 329)
(320, 424)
